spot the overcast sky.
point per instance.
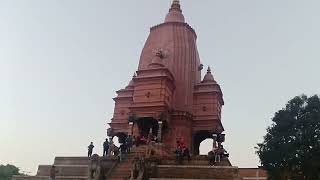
(62, 61)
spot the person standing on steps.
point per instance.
(90, 149)
(106, 148)
(129, 143)
(123, 151)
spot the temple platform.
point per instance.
(164, 167)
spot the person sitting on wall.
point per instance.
(211, 157)
(185, 151)
(182, 151)
(217, 152)
(178, 152)
(222, 152)
(212, 154)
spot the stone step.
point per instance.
(47, 177)
(121, 172)
(125, 166)
(71, 161)
(196, 172)
(122, 169)
(64, 170)
(120, 175)
(80, 160)
(183, 179)
(193, 162)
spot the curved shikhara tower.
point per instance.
(166, 96)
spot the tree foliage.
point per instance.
(291, 147)
(7, 171)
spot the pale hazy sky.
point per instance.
(62, 61)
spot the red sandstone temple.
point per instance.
(168, 98)
(167, 94)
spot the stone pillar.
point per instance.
(130, 128)
(214, 137)
(159, 131)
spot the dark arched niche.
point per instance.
(121, 137)
(147, 123)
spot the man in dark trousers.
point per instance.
(106, 148)
(129, 143)
(123, 151)
(90, 148)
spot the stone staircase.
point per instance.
(197, 168)
(68, 168)
(167, 168)
(77, 168)
(123, 170)
(197, 172)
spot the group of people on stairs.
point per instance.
(110, 149)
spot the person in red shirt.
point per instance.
(182, 150)
(185, 150)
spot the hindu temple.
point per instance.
(168, 94)
(168, 98)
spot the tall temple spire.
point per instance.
(175, 13)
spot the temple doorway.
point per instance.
(146, 125)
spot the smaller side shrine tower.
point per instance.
(167, 96)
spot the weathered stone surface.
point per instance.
(47, 177)
(71, 160)
(64, 170)
(197, 172)
(253, 173)
(195, 160)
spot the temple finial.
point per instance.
(175, 13)
(175, 5)
(209, 69)
(208, 78)
(176, 2)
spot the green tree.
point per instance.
(7, 171)
(291, 147)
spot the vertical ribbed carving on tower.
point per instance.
(168, 89)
